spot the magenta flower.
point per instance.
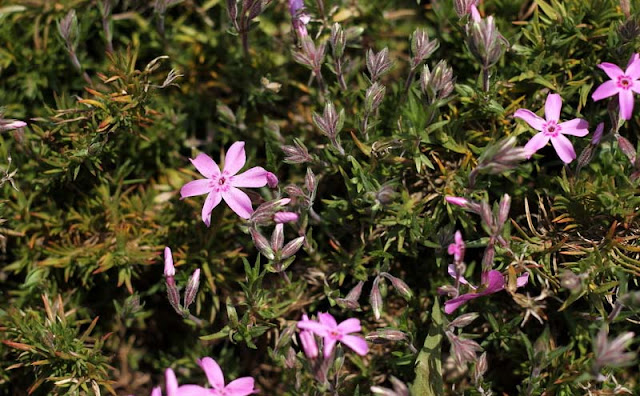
(495, 283)
(225, 185)
(332, 332)
(621, 83)
(240, 387)
(172, 388)
(456, 249)
(552, 129)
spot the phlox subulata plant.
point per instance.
(319, 197)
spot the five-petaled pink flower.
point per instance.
(623, 83)
(332, 332)
(172, 388)
(552, 129)
(224, 185)
(495, 283)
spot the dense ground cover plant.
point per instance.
(394, 221)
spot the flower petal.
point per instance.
(213, 199)
(613, 71)
(240, 387)
(213, 372)
(254, 177)
(451, 270)
(575, 127)
(606, 89)
(329, 344)
(171, 382)
(196, 187)
(495, 282)
(193, 390)
(351, 325)
(522, 280)
(453, 304)
(313, 326)
(238, 201)
(328, 320)
(633, 68)
(564, 148)
(538, 141)
(626, 104)
(636, 87)
(206, 166)
(235, 158)
(530, 118)
(358, 344)
(156, 391)
(552, 107)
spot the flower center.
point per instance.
(625, 82)
(335, 334)
(220, 183)
(551, 129)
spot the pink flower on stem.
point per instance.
(623, 83)
(332, 332)
(225, 185)
(240, 387)
(552, 129)
(456, 249)
(495, 283)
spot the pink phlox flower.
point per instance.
(495, 283)
(225, 185)
(172, 388)
(332, 332)
(623, 83)
(552, 129)
(456, 249)
(240, 387)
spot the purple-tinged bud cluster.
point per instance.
(172, 290)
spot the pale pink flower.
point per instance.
(623, 83)
(495, 283)
(225, 185)
(332, 332)
(456, 249)
(7, 125)
(552, 129)
(240, 387)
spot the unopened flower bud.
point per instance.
(291, 248)
(373, 97)
(226, 114)
(375, 299)
(612, 353)
(421, 47)
(277, 237)
(192, 289)
(351, 299)
(173, 295)
(482, 366)
(463, 7)
(296, 154)
(7, 125)
(68, 29)
(338, 40)
(169, 269)
(378, 64)
(463, 350)
(285, 217)
(597, 135)
(400, 286)
(503, 212)
(485, 41)
(464, 320)
(448, 290)
(272, 180)
(570, 281)
(261, 243)
(382, 336)
(458, 201)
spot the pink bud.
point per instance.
(459, 201)
(475, 14)
(272, 180)
(285, 217)
(597, 135)
(169, 269)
